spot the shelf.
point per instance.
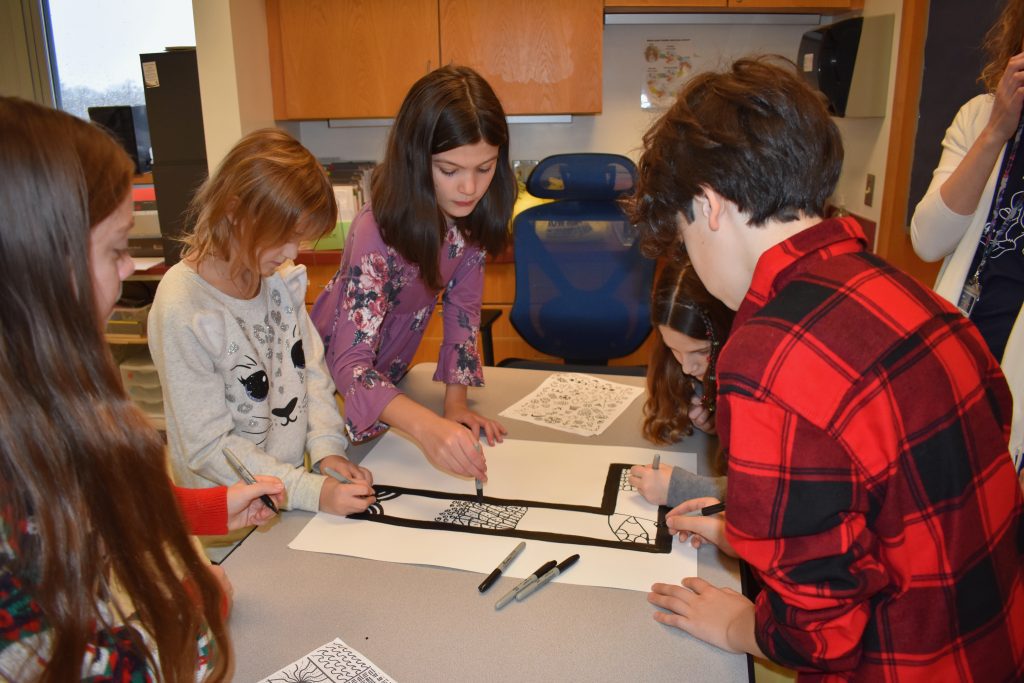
(125, 339)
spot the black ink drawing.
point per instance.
(334, 662)
(594, 525)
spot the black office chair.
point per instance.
(582, 285)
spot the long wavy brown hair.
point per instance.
(1003, 41)
(448, 108)
(680, 302)
(267, 188)
(83, 483)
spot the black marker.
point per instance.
(493, 576)
(707, 511)
(508, 597)
(550, 574)
(247, 477)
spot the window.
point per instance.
(96, 46)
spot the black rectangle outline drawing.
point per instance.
(662, 543)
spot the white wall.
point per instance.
(866, 141)
(234, 71)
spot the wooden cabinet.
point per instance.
(766, 6)
(348, 58)
(540, 57)
(357, 58)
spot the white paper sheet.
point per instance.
(333, 662)
(573, 402)
(553, 476)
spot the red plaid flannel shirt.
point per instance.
(870, 486)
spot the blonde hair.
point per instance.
(1003, 41)
(267, 187)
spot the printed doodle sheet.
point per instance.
(573, 402)
(560, 498)
(333, 662)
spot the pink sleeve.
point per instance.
(459, 359)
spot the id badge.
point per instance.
(969, 296)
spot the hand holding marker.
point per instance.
(247, 477)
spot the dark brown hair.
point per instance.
(448, 108)
(79, 464)
(680, 301)
(266, 189)
(756, 134)
(1003, 41)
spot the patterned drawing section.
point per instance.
(483, 515)
(333, 662)
(624, 484)
(633, 529)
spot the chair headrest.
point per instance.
(586, 175)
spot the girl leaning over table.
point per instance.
(441, 201)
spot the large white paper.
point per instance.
(534, 489)
(333, 662)
(573, 402)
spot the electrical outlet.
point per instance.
(869, 190)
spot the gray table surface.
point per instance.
(422, 623)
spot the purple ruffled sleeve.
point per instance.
(459, 358)
(348, 316)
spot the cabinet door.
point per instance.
(348, 58)
(541, 57)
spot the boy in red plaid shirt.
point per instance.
(864, 421)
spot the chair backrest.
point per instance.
(582, 286)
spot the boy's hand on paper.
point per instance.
(719, 616)
(699, 529)
(346, 468)
(700, 417)
(651, 483)
(345, 499)
(244, 505)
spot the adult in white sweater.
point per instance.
(951, 218)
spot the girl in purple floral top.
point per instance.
(442, 198)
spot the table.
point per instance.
(421, 624)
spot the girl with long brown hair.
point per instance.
(98, 577)
(693, 326)
(441, 201)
